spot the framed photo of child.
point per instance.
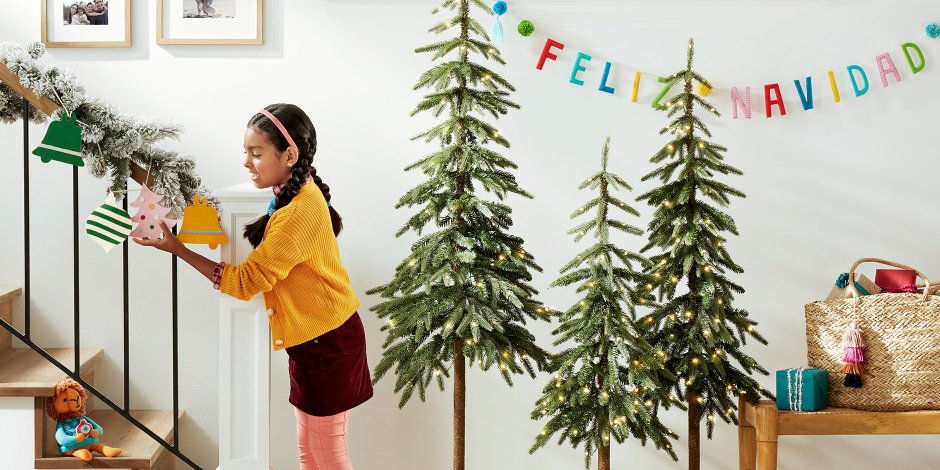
(209, 21)
(86, 23)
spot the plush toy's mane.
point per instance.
(61, 387)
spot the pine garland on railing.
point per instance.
(110, 140)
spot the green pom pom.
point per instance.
(526, 28)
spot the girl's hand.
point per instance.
(169, 243)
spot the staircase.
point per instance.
(26, 373)
(149, 438)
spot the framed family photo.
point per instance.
(86, 23)
(209, 21)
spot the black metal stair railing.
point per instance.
(25, 336)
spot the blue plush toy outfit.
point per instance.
(67, 430)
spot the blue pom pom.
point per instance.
(933, 30)
(843, 281)
(500, 7)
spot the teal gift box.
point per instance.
(815, 389)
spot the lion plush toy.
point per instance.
(76, 433)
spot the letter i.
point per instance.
(835, 87)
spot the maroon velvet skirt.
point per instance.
(330, 374)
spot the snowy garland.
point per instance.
(110, 140)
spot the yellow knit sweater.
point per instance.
(297, 266)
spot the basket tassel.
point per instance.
(854, 355)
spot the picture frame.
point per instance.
(85, 23)
(210, 22)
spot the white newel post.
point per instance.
(244, 347)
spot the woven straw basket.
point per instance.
(902, 347)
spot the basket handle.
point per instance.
(854, 291)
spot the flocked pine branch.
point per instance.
(110, 140)
(700, 329)
(609, 382)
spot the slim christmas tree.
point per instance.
(611, 381)
(463, 293)
(700, 330)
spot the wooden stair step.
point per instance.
(139, 451)
(7, 295)
(26, 373)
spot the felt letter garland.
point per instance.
(852, 69)
(883, 70)
(579, 68)
(662, 93)
(740, 96)
(547, 52)
(636, 87)
(744, 101)
(906, 47)
(835, 87)
(806, 98)
(770, 102)
(604, 87)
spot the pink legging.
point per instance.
(322, 441)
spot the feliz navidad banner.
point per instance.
(884, 70)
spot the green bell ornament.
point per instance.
(63, 142)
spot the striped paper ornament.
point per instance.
(108, 225)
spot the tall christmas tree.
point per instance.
(463, 293)
(610, 382)
(700, 330)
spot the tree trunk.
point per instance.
(460, 397)
(694, 439)
(603, 458)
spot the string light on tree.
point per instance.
(685, 336)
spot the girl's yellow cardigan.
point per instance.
(297, 266)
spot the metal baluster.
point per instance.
(78, 362)
(176, 391)
(127, 353)
(26, 210)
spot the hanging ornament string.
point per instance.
(527, 28)
(795, 388)
(128, 190)
(932, 31)
(69, 112)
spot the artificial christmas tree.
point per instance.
(463, 293)
(700, 330)
(609, 383)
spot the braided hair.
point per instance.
(301, 129)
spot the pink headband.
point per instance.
(281, 127)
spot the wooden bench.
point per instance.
(760, 424)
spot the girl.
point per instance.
(79, 18)
(311, 306)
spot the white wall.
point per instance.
(824, 187)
